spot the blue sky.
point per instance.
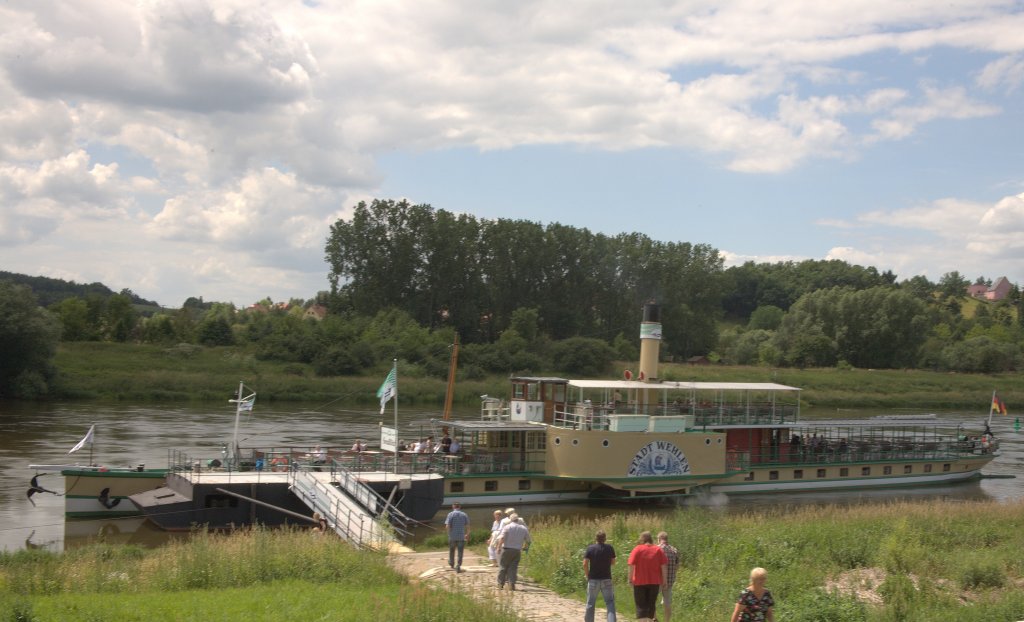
(204, 148)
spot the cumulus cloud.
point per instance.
(244, 127)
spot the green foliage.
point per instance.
(582, 356)
(981, 571)
(28, 341)
(821, 606)
(982, 354)
(767, 317)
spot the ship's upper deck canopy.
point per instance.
(634, 385)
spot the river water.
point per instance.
(131, 435)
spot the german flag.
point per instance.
(998, 406)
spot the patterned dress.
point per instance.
(754, 609)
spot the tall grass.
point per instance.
(251, 575)
(142, 372)
(941, 560)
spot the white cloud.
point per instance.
(245, 127)
(969, 237)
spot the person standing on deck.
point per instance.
(673, 564)
(457, 526)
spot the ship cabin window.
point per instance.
(533, 392)
(516, 440)
(844, 472)
(749, 477)
(536, 440)
(908, 468)
(524, 484)
(491, 485)
(865, 470)
(220, 501)
(518, 391)
(887, 470)
(821, 473)
(927, 468)
(798, 473)
(773, 475)
(946, 467)
(457, 487)
(559, 393)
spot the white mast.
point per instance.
(242, 403)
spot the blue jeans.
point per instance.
(452, 545)
(607, 592)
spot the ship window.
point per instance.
(843, 472)
(518, 391)
(927, 468)
(945, 467)
(536, 440)
(559, 391)
(524, 484)
(604, 443)
(220, 501)
(773, 475)
(707, 441)
(798, 474)
(558, 440)
(887, 470)
(517, 440)
(458, 487)
(749, 477)
(908, 468)
(491, 485)
(865, 470)
(532, 392)
(821, 473)
(719, 440)
(575, 442)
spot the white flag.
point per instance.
(87, 439)
(389, 389)
(246, 404)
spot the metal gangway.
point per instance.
(351, 508)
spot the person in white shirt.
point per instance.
(514, 539)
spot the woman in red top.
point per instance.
(648, 571)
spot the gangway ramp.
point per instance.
(351, 508)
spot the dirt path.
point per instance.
(479, 581)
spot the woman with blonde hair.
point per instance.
(492, 551)
(755, 602)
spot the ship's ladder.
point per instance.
(352, 509)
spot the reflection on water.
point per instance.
(130, 435)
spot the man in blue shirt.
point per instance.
(457, 526)
(597, 566)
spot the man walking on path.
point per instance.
(670, 575)
(457, 526)
(513, 540)
(648, 570)
(597, 566)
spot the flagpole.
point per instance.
(394, 369)
(238, 413)
(991, 407)
(92, 442)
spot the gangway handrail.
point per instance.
(358, 527)
(368, 497)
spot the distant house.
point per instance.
(999, 290)
(977, 290)
(316, 312)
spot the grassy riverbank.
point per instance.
(912, 562)
(249, 576)
(147, 373)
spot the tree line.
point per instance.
(523, 297)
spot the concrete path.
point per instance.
(479, 581)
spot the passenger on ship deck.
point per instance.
(446, 444)
(318, 456)
(359, 445)
(455, 447)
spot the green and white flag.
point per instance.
(389, 389)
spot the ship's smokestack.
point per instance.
(650, 342)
